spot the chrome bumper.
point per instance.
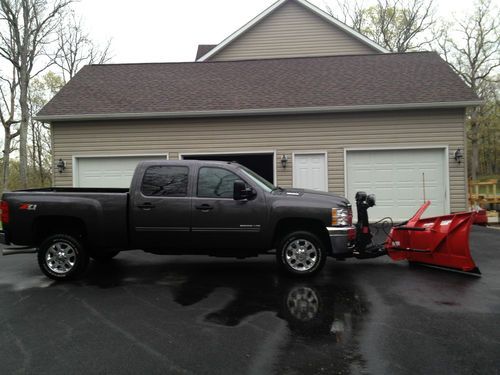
(342, 239)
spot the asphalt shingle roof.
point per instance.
(203, 49)
(354, 80)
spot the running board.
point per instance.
(18, 250)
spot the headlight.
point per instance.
(342, 216)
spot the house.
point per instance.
(294, 94)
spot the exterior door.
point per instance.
(161, 209)
(218, 221)
(400, 179)
(107, 171)
(309, 171)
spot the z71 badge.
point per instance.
(27, 207)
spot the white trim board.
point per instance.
(320, 152)
(256, 152)
(74, 158)
(444, 148)
(314, 9)
(258, 111)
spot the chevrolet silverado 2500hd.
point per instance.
(180, 207)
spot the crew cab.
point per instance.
(179, 207)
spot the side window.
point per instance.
(165, 181)
(216, 182)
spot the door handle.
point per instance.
(146, 206)
(204, 207)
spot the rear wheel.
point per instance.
(301, 253)
(62, 257)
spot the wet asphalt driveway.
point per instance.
(146, 314)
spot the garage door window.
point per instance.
(216, 183)
(165, 181)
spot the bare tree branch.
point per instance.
(75, 48)
(30, 25)
(471, 48)
(397, 25)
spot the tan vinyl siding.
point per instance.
(283, 134)
(292, 31)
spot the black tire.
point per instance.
(307, 242)
(104, 256)
(73, 257)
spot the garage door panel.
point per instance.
(395, 177)
(108, 171)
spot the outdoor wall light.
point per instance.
(61, 166)
(284, 160)
(459, 155)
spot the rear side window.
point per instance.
(216, 182)
(165, 181)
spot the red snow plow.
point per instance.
(441, 241)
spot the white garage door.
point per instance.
(309, 171)
(396, 177)
(109, 171)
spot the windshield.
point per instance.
(262, 182)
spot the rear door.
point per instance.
(218, 221)
(160, 208)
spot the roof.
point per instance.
(272, 86)
(306, 4)
(203, 49)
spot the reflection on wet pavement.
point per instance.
(198, 315)
(244, 316)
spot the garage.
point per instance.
(261, 163)
(400, 179)
(107, 171)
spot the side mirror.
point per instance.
(240, 191)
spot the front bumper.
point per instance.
(342, 240)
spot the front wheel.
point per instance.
(301, 253)
(62, 257)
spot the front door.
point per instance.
(161, 209)
(309, 171)
(218, 221)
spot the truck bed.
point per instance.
(102, 211)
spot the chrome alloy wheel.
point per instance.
(303, 303)
(301, 255)
(60, 257)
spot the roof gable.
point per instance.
(310, 11)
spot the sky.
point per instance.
(170, 30)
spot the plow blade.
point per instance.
(441, 241)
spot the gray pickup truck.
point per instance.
(179, 207)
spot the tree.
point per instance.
(397, 25)
(27, 28)
(40, 149)
(75, 48)
(472, 49)
(8, 116)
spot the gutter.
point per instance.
(257, 112)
